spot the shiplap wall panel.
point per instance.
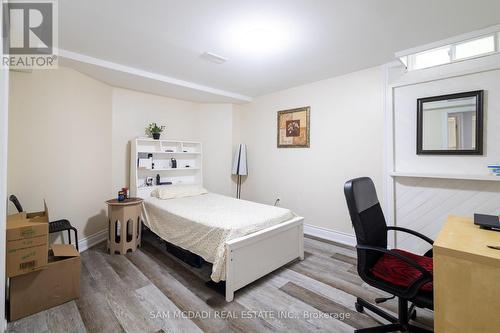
(423, 204)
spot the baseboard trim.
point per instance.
(3, 325)
(331, 235)
(92, 240)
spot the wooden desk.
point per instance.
(466, 278)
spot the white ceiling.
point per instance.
(324, 38)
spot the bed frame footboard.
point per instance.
(251, 257)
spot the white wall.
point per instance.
(69, 142)
(347, 133)
(132, 112)
(211, 124)
(423, 204)
(215, 129)
(4, 100)
(60, 146)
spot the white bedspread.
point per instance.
(202, 224)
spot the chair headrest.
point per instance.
(365, 195)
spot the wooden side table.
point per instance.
(124, 225)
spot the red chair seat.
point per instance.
(399, 273)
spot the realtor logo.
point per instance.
(30, 34)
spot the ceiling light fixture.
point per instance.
(259, 37)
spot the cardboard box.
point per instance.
(57, 283)
(27, 242)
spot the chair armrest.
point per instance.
(419, 282)
(412, 232)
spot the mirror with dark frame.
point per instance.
(450, 124)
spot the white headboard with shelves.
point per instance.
(188, 155)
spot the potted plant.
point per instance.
(155, 130)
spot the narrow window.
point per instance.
(432, 58)
(475, 47)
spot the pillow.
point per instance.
(178, 191)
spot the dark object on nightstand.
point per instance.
(405, 275)
(55, 226)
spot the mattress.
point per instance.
(203, 224)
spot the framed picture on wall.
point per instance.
(293, 128)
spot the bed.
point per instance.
(243, 240)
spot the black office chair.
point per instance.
(403, 274)
(55, 226)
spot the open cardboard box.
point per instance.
(27, 242)
(57, 283)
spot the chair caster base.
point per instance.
(413, 315)
(393, 328)
(396, 324)
(359, 307)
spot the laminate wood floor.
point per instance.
(151, 291)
